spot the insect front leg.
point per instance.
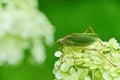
(62, 50)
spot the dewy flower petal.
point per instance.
(88, 64)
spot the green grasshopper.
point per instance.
(82, 40)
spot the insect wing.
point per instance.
(80, 39)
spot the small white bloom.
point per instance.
(107, 76)
(113, 43)
(72, 70)
(58, 53)
(117, 78)
(70, 61)
(74, 76)
(64, 67)
(87, 78)
(58, 75)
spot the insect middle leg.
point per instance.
(100, 54)
(63, 50)
(71, 50)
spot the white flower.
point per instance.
(23, 27)
(64, 67)
(58, 53)
(88, 64)
(72, 77)
(107, 76)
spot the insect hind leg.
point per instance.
(91, 29)
(101, 55)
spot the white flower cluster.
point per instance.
(78, 64)
(23, 26)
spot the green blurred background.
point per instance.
(69, 16)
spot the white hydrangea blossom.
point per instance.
(78, 64)
(23, 26)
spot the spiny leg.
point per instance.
(90, 28)
(100, 54)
